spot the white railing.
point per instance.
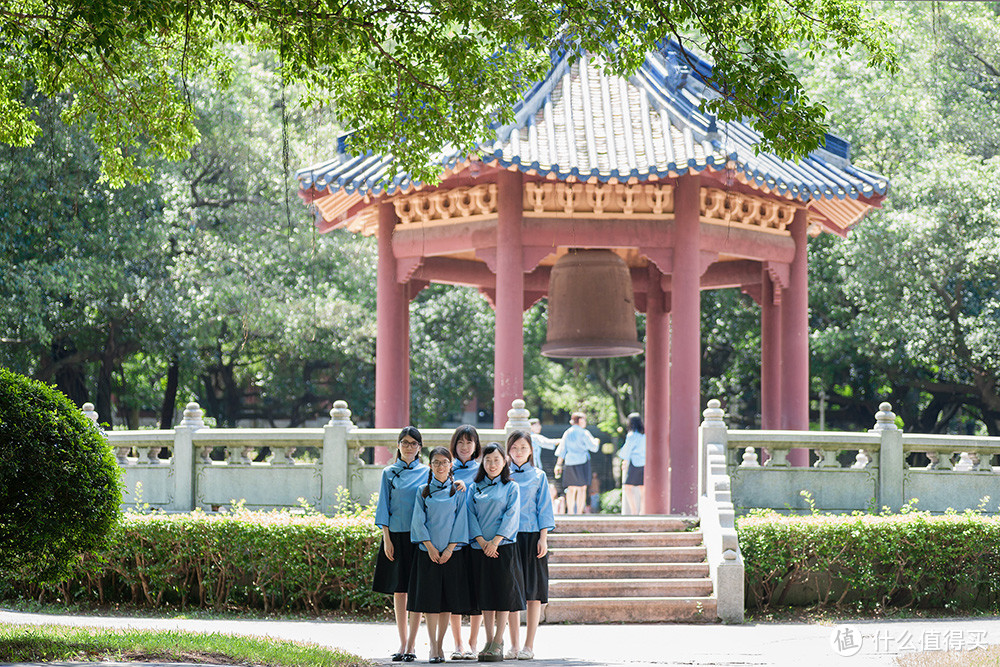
(172, 470)
(861, 471)
(718, 517)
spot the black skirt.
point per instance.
(534, 569)
(635, 475)
(393, 576)
(438, 588)
(578, 475)
(498, 582)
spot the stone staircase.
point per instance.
(614, 569)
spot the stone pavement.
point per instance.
(798, 644)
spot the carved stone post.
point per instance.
(183, 459)
(890, 459)
(335, 455)
(517, 418)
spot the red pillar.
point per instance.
(685, 348)
(795, 340)
(404, 359)
(656, 412)
(508, 360)
(392, 377)
(770, 355)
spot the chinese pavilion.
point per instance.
(597, 161)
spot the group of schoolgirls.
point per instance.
(466, 535)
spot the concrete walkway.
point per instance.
(798, 644)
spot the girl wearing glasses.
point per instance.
(439, 528)
(393, 513)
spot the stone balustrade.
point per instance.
(718, 516)
(174, 470)
(883, 468)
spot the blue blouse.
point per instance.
(575, 447)
(397, 492)
(494, 509)
(634, 449)
(465, 472)
(440, 518)
(536, 503)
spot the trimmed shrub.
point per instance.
(59, 482)
(869, 562)
(250, 560)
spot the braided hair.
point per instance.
(439, 451)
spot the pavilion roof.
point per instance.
(581, 123)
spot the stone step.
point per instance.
(621, 570)
(611, 588)
(685, 539)
(611, 523)
(601, 555)
(630, 610)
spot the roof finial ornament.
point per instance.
(677, 70)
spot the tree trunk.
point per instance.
(71, 378)
(169, 405)
(103, 401)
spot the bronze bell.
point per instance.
(591, 307)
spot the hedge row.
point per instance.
(256, 560)
(869, 562)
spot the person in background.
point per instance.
(393, 514)
(595, 494)
(633, 456)
(536, 520)
(539, 442)
(465, 450)
(574, 451)
(558, 502)
(494, 505)
(440, 529)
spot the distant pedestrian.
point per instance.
(595, 494)
(574, 451)
(633, 455)
(539, 442)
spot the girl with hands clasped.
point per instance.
(393, 513)
(536, 520)
(439, 575)
(494, 503)
(466, 450)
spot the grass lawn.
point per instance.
(52, 643)
(977, 658)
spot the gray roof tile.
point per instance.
(582, 122)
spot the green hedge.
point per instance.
(250, 560)
(870, 562)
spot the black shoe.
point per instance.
(396, 657)
(436, 659)
(409, 657)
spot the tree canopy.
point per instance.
(409, 78)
